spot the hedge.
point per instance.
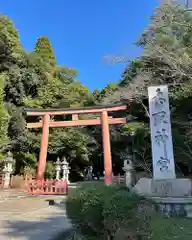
(109, 212)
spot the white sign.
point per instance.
(161, 135)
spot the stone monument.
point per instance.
(164, 183)
(62, 168)
(128, 168)
(58, 168)
(90, 173)
(8, 169)
(161, 135)
(65, 168)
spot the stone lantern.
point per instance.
(58, 168)
(129, 169)
(90, 173)
(9, 163)
(65, 168)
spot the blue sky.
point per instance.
(83, 32)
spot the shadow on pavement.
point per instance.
(38, 227)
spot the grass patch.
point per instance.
(171, 229)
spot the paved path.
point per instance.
(31, 219)
(11, 194)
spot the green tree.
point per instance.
(34, 80)
(4, 118)
(131, 71)
(106, 92)
(14, 88)
(44, 49)
(166, 59)
(9, 35)
(65, 75)
(167, 48)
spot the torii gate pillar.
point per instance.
(43, 150)
(106, 148)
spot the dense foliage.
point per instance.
(109, 212)
(166, 59)
(36, 80)
(4, 118)
(44, 49)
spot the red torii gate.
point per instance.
(104, 120)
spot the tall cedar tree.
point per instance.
(45, 50)
(3, 115)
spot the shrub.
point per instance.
(109, 212)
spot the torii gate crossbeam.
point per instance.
(104, 121)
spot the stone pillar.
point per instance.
(90, 173)
(43, 149)
(58, 168)
(8, 169)
(161, 135)
(128, 168)
(6, 180)
(106, 148)
(65, 168)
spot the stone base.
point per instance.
(172, 206)
(164, 188)
(173, 197)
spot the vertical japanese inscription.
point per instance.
(161, 139)
(162, 149)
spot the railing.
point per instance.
(119, 179)
(1, 181)
(46, 187)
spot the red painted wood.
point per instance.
(106, 148)
(46, 187)
(43, 148)
(77, 123)
(1, 180)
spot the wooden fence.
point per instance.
(1, 180)
(119, 179)
(35, 187)
(46, 187)
(31, 186)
